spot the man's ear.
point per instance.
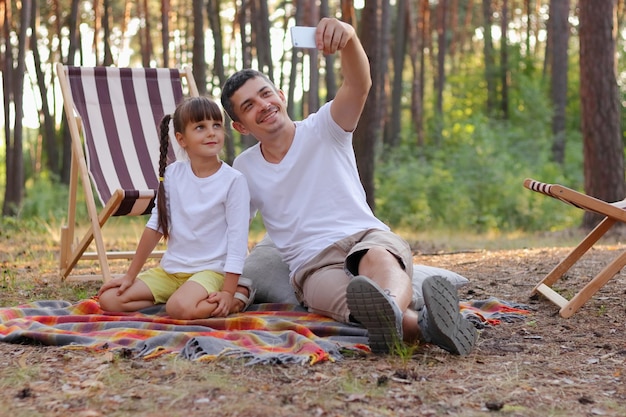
(240, 128)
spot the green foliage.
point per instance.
(45, 199)
(473, 179)
(10, 226)
(468, 175)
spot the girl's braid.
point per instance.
(164, 223)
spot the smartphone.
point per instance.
(303, 37)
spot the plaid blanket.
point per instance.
(492, 311)
(266, 334)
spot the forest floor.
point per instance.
(544, 365)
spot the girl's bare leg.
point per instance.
(190, 302)
(136, 297)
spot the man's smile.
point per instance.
(268, 114)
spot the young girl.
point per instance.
(203, 211)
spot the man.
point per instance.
(303, 179)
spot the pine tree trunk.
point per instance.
(603, 149)
(558, 31)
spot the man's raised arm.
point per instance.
(333, 35)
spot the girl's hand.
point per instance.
(224, 301)
(121, 283)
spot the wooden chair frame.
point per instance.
(71, 250)
(613, 213)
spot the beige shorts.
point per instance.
(163, 284)
(321, 283)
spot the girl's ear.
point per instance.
(181, 140)
(240, 128)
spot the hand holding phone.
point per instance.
(303, 37)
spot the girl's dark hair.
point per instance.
(190, 110)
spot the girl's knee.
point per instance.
(176, 309)
(109, 301)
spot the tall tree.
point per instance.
(48, 128)
(218, 73)
(199, 58)
(455, 29)
(440, 79)
(14, 148)
(243, 22)
(603, 146)
(7, 97)
(558, 33)
(490, 62)
(71, 56)
(128, 5)
(260, 21)
(213, 11)
(369, 130)
(145, 38)
(97, 27)
(466, 31)
(296, 61)
(504, 59)
(392, 128)
(107, 60)
(527, 42)
(306, 14)
(421, 8)
(165, 31)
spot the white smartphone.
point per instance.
(303, 37)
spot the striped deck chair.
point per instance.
(113, 116)
(614, 213)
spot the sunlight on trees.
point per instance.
(474, 138)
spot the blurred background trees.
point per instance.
(469, 97)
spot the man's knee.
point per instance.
(377, 256)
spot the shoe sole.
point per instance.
(446, 326)
(377, 312)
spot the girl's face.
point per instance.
(202, 139)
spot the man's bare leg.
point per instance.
(379, 299)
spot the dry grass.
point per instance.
(543, 366)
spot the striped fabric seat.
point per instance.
(614, 213)
(113, 117)
(121, 109)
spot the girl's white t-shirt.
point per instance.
(314, 196)
(209, 220)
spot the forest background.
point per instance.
(469, 97)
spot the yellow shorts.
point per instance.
(162, 284)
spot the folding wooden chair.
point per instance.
(613, 213)
(114, 115)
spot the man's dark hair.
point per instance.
(234, 83)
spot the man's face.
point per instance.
(260, 108)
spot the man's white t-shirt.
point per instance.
(209, 220)
(314, 196)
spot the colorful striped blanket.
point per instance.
(266, 334)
